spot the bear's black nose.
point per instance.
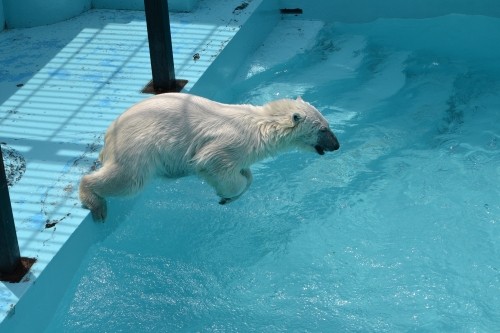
(327, 141)
(336, 144)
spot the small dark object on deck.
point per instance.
(19, 85)
(49, 224)
(149, 88)
(295, 11)
(52, 223)
(19, 272)
(241, 7)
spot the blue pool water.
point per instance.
(398, 231)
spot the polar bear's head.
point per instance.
(301, 125)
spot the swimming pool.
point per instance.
(399, 231)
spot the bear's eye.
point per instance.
(323, 129)
(296, 117)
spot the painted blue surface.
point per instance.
(173, 5)
(123, 4)
(30, 13)
(54, 109)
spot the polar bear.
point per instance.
(176, 134)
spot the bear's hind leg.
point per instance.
(109, 180)
(90, 199)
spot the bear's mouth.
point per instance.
(319, 150)
(326, 142)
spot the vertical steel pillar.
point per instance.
(160, 45)
(10, 256)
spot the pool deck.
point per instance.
(61, 85)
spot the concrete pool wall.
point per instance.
(367, 10)
(32, 13)
(29, 13)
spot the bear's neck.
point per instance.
(266, 130)
(269, 138)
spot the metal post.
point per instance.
(10, 256)
(160, 45)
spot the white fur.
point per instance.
(175, 135)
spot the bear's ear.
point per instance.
(299, 99)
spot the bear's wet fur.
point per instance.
(175, 134)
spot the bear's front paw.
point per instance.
(224, 201)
